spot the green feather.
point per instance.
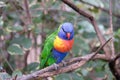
(46, 58)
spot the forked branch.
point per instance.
(71, 65)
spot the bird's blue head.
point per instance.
(66, 31)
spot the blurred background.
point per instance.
(25, 24)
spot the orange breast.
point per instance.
(63, 45)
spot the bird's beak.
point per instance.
(68, 35)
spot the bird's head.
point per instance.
(66, 31)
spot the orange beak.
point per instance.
(68, 35)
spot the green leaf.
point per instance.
(26, 43)
(63, 76)
(30, 27)
(37, 5)
(15, 49)
(1, 68)
(17, 28)
(37, 30)
(95, 2)
(75, 76)
(86, 27)
(108, 72)
(13, 16)
(17, 73)
(78, 47)
(14, 28)
(37, 19)
(1, 22)
(1, 32)
(95, 10)
(100, 74)
(37, 14)
(4, 76)
(31, 67)
(84, 72)
(69, 76)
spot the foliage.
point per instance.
(19, 37)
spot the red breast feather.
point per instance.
(63, 45)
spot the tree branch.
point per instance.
(112, 66)
(27, 24)
(94, 23)
(103, 9)
(111, 27)
(72, 64)
(100, 48)
(27, 11)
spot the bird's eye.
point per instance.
(64, 30)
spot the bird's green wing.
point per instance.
(47, 49)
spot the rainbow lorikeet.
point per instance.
(57, 45)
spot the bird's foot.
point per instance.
(64, 63)
(56, 66)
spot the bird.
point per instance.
(57, 45)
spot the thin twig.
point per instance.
(100, 48)
(15, 78)
(111, 27)
(27, 11)
(29, 22)
(3, 55)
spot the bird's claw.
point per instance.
(64, 63)
(56, 66)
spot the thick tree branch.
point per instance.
(113, 68)
(72, 64)
(94, 23)
(103, 9)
